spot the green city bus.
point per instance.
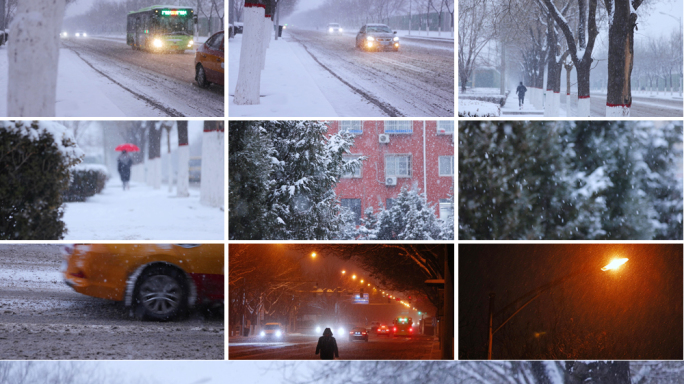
(161, 28)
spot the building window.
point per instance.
(398, 165)
(354, 205)
(389, 203)
(357, 173)
(446, 210)
(446, 165)
(352, 126)
(445, 127)
(393, 126)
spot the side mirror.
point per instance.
(395, 32)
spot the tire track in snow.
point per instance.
(388, 109)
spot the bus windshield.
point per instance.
(175, 25)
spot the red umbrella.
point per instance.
(128, 147)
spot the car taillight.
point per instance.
(363, 333)
(78, 274)
(410, 329)
(394, 329)
(351, 333)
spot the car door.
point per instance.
(212, 58)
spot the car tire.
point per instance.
(201, 77)
(161, 293)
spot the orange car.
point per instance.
(209, 61)
(159, 281)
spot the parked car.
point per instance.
(334, 29)
(377, 37)
(358, 333)
(158, 281)
(209, 65)
(238, 27)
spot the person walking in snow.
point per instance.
(124, 163)
(520, 91)
(327, 346)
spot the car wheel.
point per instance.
(201, 77)
(161, 293)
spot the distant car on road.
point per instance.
(272, 331)
(81, 34)
(375, 37)
(238, 27)
(383, 330)
(334, 29)
(209, 61)
(358, 333)
(158, 281)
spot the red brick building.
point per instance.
(417, 154)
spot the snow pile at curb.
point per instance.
(476, 108)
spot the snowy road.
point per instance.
(42, 318)
(416, 81)
(303, 347)
(165, 82)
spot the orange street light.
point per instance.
(353, 277)
(615, 264)
(369, 284)
(361, 281)
(313, 255)
(343, 271)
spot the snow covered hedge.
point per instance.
(87, 180)
(476, 108)
(495, 99)
(35, 158)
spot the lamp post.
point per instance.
(613, 265)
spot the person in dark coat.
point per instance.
(124, 163)
(327, 346)
(520, 91)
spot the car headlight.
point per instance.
(340, 331)
(78, 34)
(330, 29)
(157, 43)
(262, 334)
(370, 38)
(340, 29)
(396, 38)
(64, 34)
(85, 34)
(318, 329)
(278, 334)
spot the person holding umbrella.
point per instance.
(124, 163)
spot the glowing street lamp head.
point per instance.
(353, 277)
(615, 264)
(313, 255)
(361, 280)
(343, 272)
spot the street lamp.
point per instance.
(353, 277)
(613, 265)
(343, 271)
(313, 255)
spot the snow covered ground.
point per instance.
(142, 213)
(309, 73)
(83, 92)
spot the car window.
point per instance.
(363, 29)
(379, 28)
(211, 41)
(219, 44)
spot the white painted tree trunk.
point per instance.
(33, 52)
(552, 105)
(183, 182)
(154, 173)
(618, 111)
(568, 105)
(584, 107)
(170, 164)
(268, 30)
(249, 73)
(212, 188)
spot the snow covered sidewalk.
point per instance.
(142, 213)
(81, 92)
(287, 88)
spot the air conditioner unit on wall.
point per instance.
(383, 138)
(391, 181)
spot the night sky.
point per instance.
(632, 313)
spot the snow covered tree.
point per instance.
(35, 159)
(291, 168)
(251, 163)
(409, 218)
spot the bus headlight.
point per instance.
(278, 334)
(190, 43)
(85, 34)
(157, 43)
(78, 34)
(330, 30)
(262, 334)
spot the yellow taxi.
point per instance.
(158, 281)
(209, 61)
